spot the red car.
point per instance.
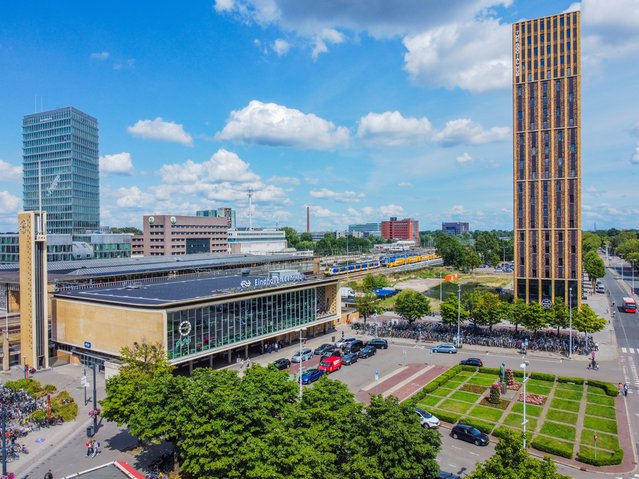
(330, 364)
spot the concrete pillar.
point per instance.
(230, 354)
(190, 367)
(246, 352)
(211, 361)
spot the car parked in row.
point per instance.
(426, 419)
(282, 363)
(335, 352)
(311, 375)
(324, 348)
(367, 352)
(354, 346)
(303, 355)
(445, 348)
(472, 362)
(378, 343)
(341, 343)
(468, 433)
(330, 364)
(349, 358)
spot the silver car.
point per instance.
(427, 419)
(305, 355)
(445, 348)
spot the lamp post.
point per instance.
(570, 323)
(301, 330)
(458, 313)
(4, 442)
(440, 287)
(633, 275)
(524, 365)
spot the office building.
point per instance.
(176, 235)
(547, 158)
(406, 229)
(61, 169)
(366, 230)
(256, 241)
(228, 213)
(455, 228)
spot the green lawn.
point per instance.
(565, 404)
(601, 411)
(599, 399)
(568, 394)
(465, 396)
(605, 441)
(599, 424)
(452, 383)
(531, 409)
(487, 413)
(515, 420)
(562, 448)
(483, 380)
(570, 386)
(562, 416)
(536, 389)
(560, 431)
(596, 390)
(443, 392)
(430, 400)
(464, 374)
(455, 406)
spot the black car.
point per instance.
(367, 352)
(472, 362)
(349, 358)
(335, 352)
(282, 363)
(378, 343)
(353, 346)
(324, 348)
(468, 433)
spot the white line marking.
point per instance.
(631, 350)
(623, 350)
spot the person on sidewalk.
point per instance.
(96, 448)
(48, 475)
(620, 388)
(89, 448)
(625, 389)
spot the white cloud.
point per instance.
(635, 157)
(464, 159)
(116, 164)
(99, 56)
(161, 130)
(277, 125)
(344, 196)
(466, 131)
(9, 203)
(328, 35)
(224, 5)
(457, 210)
(130, 63)
(391, 210)
(393, 129)
(9, 172)
(405, 184)
(321, 212)
(281, 47)
(224, 165)
(134, 197)
(286, 180)
(311, 180)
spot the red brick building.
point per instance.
(406, 229)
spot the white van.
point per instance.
(600, 288)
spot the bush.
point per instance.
(64, 406)
(542, 376)
(49, 388)
(604, 458)
(449, 417)
(483, 426)
(469, 368)
(38, 416)
(559, 448)
(611, 389)
(501, 431)
(486, 370)
(565, 379)
(30, 386)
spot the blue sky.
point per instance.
(361, 109)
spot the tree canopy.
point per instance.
(411, 305)
(594, 266)
(367, 305)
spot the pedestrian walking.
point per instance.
(96, 449)
(620, 388)
(276, 346)
(625, 389)
(592, 355)
(89, 448)
(48, 475)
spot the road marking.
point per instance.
(624, 350)
(473, 453)
(631, 350)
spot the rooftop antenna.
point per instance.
(250, 208)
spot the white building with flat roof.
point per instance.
(256, 241)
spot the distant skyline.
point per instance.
(386, 109)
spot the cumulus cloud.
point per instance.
(344, 196)
(116, 164)
(9, 203)
(321, 212)
(466, 131)
(224, 165)
(276, 125)
(161, 130)
(134, 197)
(99, 56)
(286, 180)
(391, 210)
(328, 35)
(635, 156)
(464, 159)
(9, 172)
(281, 47)
(405, 184)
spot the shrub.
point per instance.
(604, 458)
(469, 368)
(609, 388)
(486, 370)
(446, 416)
(565, 379)
(495, 395)
(542, 376)
(560, 448)
(483, 426)
(38, 415)
(64, 406)
(501, 431)
(49, 388)
(30, 386)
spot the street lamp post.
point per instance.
(633, 276)
(440, 287)
(458, 313)
(524, 365)
(570, 323)
(301, 330)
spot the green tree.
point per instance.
(291, 236)
(489, 247)
(512, 461)
(559, 314)
(518, 312)
(125, 390)
(536, 317)
(372, 282)
(594, 266)
(470, 259)
(590, 242)
(367, 305)
(450, 249)
(305, 245)
(411, 305)
(587, 321)
(450, 308)
(488, 309)
(306, 237)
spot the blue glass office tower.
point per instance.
(63, 143)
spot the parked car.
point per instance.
(354, 346)
(336, 352)
(472, 362)
(324, 348)
(378, 343)
(282, 363)
(367, 352)
(349, 358)
(427, 419)
(468, 433)
(445, 348)
(330, 364)
(305, 355)
(311, 375)
(341, 343)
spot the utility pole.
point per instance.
(4, 441)
(95, 400)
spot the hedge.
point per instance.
(489, 370)
(502, 430)
(565, 379)
(449, 417)
(611, 389)
(604, 458)
(434, 384)
(542, 376)
(472, 369)
(483, 426)
(559, 448)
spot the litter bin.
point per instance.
(332, 339)
(90, 431)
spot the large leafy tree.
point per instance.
(587, 321)
(411, 305)
(450, 249)
(488, 309)
(372, 282)
(590, 242)
(594, 266)
(470, 259)
(291, 236)
(489, 247)
(367, 305)
(518, 312)
(559, 314)
(450, 308)
(511, 461)
(536, 317)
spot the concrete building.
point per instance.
(177, 235)
(228, 213)
(137, 245)
(547, 157)
(455, 228)
(256, 241)
(366, 229)
(406, 229)
(111, 245)
(61, 169)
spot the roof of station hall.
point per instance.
(173, 292)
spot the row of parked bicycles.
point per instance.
(501, 337)
(19, 407)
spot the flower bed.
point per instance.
(531, 398)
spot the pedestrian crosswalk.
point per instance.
(630, 350)
(630, 373)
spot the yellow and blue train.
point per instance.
(351, 268)
(388, 261)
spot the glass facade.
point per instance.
(63, 144)
(199, 329)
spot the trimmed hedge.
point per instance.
(609, 388)
(486, 370)
(604, 458)
(566, 379)
(434, 384)
(542, 376)
(502, 430)
(559, 448)
(446, 416)
(483, 426)
(472, 369)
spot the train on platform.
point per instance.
(386, 261)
